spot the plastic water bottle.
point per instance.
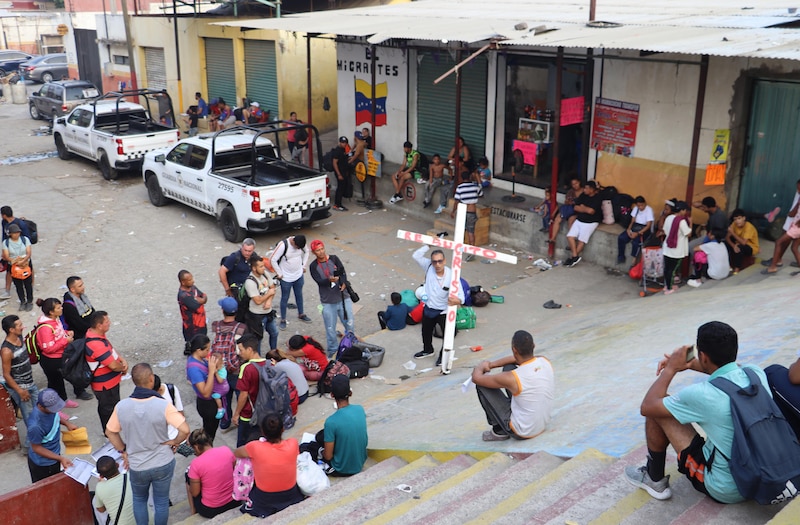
(424, 298)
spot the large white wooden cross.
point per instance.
(459, 249)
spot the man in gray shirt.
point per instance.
(331, 277)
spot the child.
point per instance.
(394, 318)
(221, 386)
(485, 173)
(543, 210)
(710, 259)
(193, 115)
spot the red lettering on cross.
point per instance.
(451, 316)
(407, 235)
(489, 254)
(417, 237)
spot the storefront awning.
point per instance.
(703, 27)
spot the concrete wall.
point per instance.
(24, 32)
(57, 499)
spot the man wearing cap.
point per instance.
(342, 443)
(235, 268)
(406, 172)
(588, 214)
(254, 114)
(226, 332)
(44, 435)
(289, 259)
(143, 419)
(357, 154)
(331, 277)
(341, 168)
(7, 215)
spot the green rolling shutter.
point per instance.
(220, 73)
(436, 105)
(261, 74)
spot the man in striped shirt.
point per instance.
(467, 192)
(108, 366)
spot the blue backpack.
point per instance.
(765, 456)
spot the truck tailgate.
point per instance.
(292, 199)
(135, 146)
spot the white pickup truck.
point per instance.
(243, 177)
(114, 132)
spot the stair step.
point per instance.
(489, 490)
(788, 514)
(388, 496)
(319, 507)
(431, 499)
(522, 504)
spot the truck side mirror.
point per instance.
(61, 120)
(161, 159)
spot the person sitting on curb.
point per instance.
(394, 318)
(588, 215)
(791, 236)
(669, 418)
(524, 409)
(717, 219)
(406, 171)
(710, 260)
(637, 231)
(342, 444)
(567, 210)
(741, 240)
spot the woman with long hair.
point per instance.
(52, 339)
(209, 480)
(198, 364)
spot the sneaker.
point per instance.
(425, 204)
(423, 354)
(421, 181)
(5, 295)
(638, 477)
(395, 199)
(574, 261)
(339, 208)
(470, 257)
(694, 283)
(489, 435)
(282, 324)
(771, 215)
(305, 318)
(70, 404)
(22, 307)
(220, 413)
(85, 396)
(439, 210)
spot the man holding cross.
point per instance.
(438, 279)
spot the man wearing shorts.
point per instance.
(669, 418)
(467, 192)
(587, 217)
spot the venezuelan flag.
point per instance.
(364, 102)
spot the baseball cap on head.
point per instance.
(228, 305)
(343, 139)
(50, 401)
(14, 228)
(358, 135)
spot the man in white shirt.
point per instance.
(289, 259)
(637, 231)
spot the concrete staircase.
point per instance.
(450, 488)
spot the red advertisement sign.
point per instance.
(614, 127)
(571, 111)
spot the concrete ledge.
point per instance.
(57, 499)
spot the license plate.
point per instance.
(295, 216)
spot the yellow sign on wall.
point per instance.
(719, 151)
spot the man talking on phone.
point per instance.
(669, 418)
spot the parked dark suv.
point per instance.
(10, 60)
(45, 68)
(58, 98)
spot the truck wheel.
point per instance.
(63, 152)
(154, 192)
(108, 172)
(230, 226)
(34, 111)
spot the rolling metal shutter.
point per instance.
(261, 74)
(220, 72)
(436, 105)
(155, 68)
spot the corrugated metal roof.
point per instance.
(713, 27)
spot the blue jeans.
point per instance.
(25, 407)
(271, 328)
(160, 478)
(330, 312)
(286, 288)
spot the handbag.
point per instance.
(637, 227)
(353, 295)
(20, 272)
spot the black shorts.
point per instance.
(692, 464)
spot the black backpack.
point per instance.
(334, 368)
(327, 160)
(623, 205)
(765, 455)
(75, 368)
(423, 164)
(273, 396)
(33, 230)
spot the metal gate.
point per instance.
(88, 56)
(436, 104)
(220, 72)
(772, 154)
(261, 74)
(155, 68)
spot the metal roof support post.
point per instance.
(551, 246)
(372, 183)
(308, 99)
(457, 156)
(698, 121)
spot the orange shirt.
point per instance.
(274, 465)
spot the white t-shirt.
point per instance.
(291, 266)
(532, 406)
(172, 432)
(682, 249)
(642, 216)
(718, 264)
(790, 220)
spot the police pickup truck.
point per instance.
(243, 176)
(115, 132)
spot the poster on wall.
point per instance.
(614, 126)
(715, 170)
(355, 95)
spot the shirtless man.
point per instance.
(436, 180)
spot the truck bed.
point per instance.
(269, 172)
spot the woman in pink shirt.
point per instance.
(209, 480)
(52, 339)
